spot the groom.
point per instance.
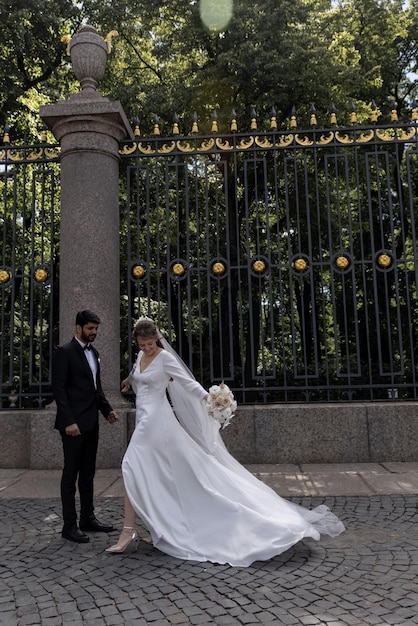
(79, 397)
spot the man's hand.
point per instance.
(72, 430)
(112, 417)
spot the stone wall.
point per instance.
(345, 433)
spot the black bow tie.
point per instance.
(87, 347)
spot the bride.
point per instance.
(197, 501)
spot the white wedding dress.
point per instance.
(197, 501)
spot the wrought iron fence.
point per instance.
(284, 263)
(29, 218)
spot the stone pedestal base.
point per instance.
(30, 440)
(298, 434)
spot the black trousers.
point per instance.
(79, 465)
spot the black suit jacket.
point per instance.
(78, 400)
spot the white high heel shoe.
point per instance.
(129, 543)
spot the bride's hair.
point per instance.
(146, 329)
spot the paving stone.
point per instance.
(27, 620)
(197, 620)
(367, 576)
(114, 620)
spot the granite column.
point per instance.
(89, 128)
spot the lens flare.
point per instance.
(216, 14)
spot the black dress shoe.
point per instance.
(74, 534)
(92, 524)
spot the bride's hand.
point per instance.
(125, 385)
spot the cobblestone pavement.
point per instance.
(368, 575)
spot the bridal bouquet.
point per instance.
(221, 404)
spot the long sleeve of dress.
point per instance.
(177, 373)
(173, 372)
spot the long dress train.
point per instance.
(197, 501)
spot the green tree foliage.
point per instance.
(166, 60)
(31, 58)
(384, 37)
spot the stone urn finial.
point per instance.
(88, 55)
